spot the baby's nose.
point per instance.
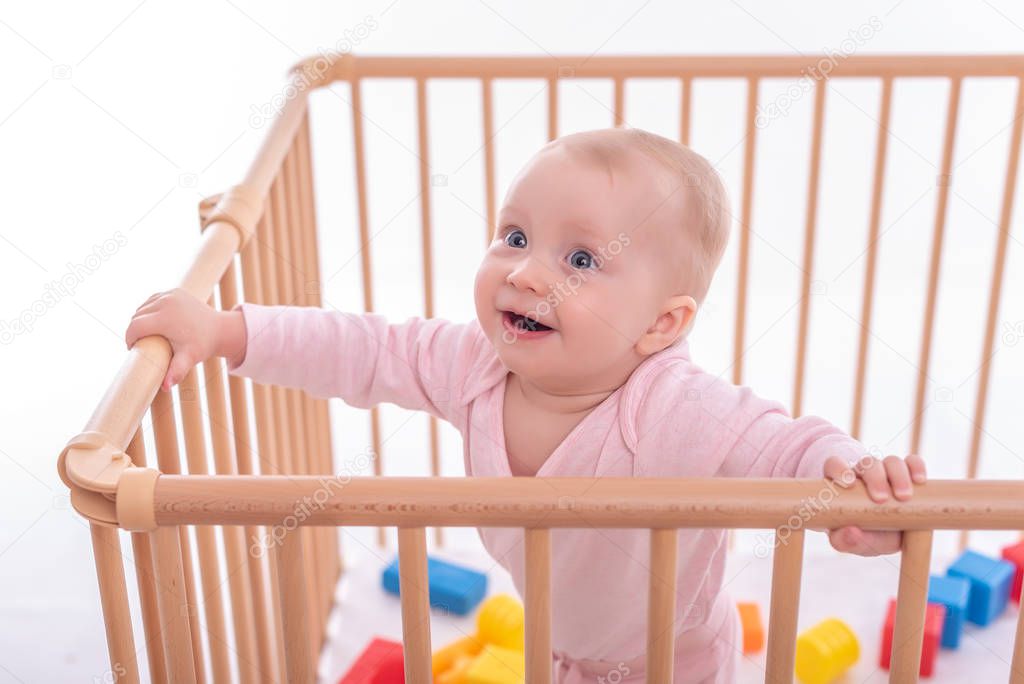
(528, 275)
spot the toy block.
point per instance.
(990, 579)
(379, 663)
(1015, 554)
(390, 670)
(502, 622)
(453, 588)
(449, 662)
(753, 626)
(497, 665)
(934, 617)
(952, 593)
(825, 651)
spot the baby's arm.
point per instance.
(419, 364)
(776, 445)
(689, 415)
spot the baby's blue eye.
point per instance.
(516, 238)
(581, 259)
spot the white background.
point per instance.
(115, 119)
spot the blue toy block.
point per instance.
(453, 588)
(953, 593)
(990, 585)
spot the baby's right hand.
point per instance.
(195, 331)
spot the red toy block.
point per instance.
(381, 662)
(934, 616)
(1015, 554)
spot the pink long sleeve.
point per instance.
(420, 364)
(686, 413)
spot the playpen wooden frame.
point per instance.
(279, 608)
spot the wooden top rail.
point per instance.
(93, 461)
(579, 502)
(334, 67)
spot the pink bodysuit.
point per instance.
(670, 419)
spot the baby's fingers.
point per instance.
(864, 542)
(141, 326)
(839, 471)
(145, 304)
(918, 472)
(899, 477)
(181, 364)
(876, 480)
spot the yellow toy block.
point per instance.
(449, 664)
(502, 622)
(497, 665)
(824, 652)
(753, 627)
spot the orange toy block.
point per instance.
(753, 627)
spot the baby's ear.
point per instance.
(673, 319)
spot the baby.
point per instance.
(577, 365)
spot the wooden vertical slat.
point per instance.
(294, 292)
(998, 267)
(944, 181)
(881, 151)
(1017, 666)
(366, 263)
(661, 604)
(489, 199)
(235, 553)
(302, 283)
(911, 601)
(172, 601)
(265, 405)
(165, 432)
(619, 113)
(745, 218)
(206, 540)
(685, 108)
(106, 548)
(415, 596)
(322, 409)
(538, 605)
(145, 576)
(293, 448)
(552, 108)
(255, 605)
(810, 225)
(423, 130)
(787, 565)
(305, 284)
(291, 570)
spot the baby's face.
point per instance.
(586, 257)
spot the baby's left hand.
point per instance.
(893, 475)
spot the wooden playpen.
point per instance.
(277, 601)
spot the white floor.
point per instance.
(851, 588)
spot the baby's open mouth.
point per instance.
(523, 323)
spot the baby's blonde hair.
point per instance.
(708, 206)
